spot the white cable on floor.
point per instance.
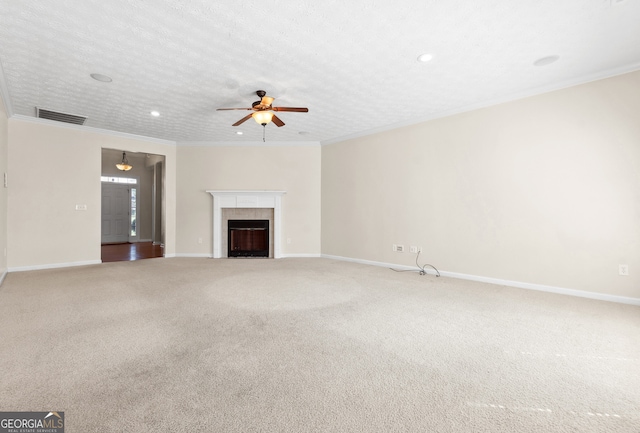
(420, 270)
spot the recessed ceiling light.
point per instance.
(100, 77)
(304, 133)
(155, 113)
(424, 58)
(546, 60)
(239, 132)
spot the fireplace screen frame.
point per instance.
(248, 238)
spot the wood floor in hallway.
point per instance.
(131, 251)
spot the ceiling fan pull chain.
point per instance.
(264, 128)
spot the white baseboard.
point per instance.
(54, 266)
(498, 281)
(143, 240)
(369, 262)
(3, 276)
(282, 256)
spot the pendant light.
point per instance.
(124, 165)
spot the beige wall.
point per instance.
(544, 190)
(4, 148)
(54, 168)
(294, 169)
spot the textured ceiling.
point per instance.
(353, 63)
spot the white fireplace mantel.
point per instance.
(246, 199)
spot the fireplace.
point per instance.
(248, 238)
(234, 200)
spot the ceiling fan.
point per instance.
(263, 112)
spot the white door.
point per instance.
(115, 212)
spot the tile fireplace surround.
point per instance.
(246, 199)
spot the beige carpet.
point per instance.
(311, 345)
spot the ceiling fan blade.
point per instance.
(275, 119)
(244, 119)
(221, 109)
(299, 110)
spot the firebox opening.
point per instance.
(248, 238)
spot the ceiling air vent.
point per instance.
(41, 113)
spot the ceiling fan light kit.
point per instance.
(263, 117)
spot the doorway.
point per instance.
(133, 204)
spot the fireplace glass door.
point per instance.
(248, 238)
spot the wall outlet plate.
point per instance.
(623, 270)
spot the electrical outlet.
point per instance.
(413, 249)
(288, 240)
(81, 207)
(419, 249)
(400, 248)
(199, 240)
(623, 270)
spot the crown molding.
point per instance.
(246, 143)
(92, 129)
(610, 73)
